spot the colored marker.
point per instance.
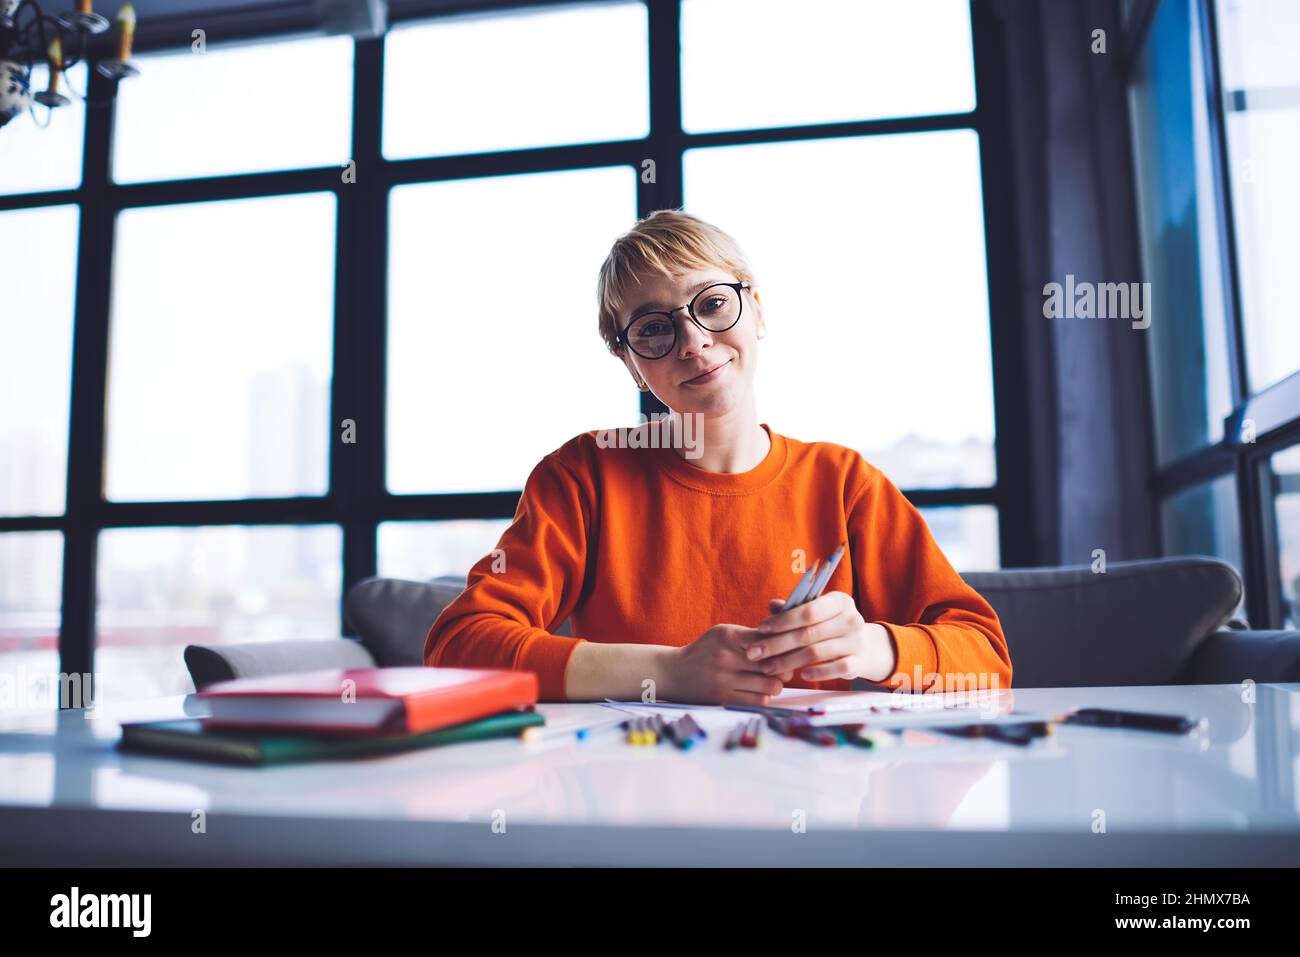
(684, 732)
(660, 727)
(680, 736)
(588, 730)
(693, 729)
(636, 731)
(853, 734)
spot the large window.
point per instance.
(836, 140)
(38, 264)
(314, 308)
(30, 590)
(484, 307)
(1180, 227)
(1285, 472)
(223, 309)
(750, 64)
(525, 78)
(846, 316)
(36, 157)
(1215, 95)
(235, 109)
(424, 550)
(160, 589)
(1260, 85)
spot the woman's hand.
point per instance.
(823, 639)
(713, 669)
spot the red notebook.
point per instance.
(368, 700)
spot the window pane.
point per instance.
(968, 535)
(478, 268)
(517, 79)
(1203, 521)
(31, 580)
(160, 589)
(1258, 43)
(1188, 337)
(1286, 505)
(762, 63)
(1263, 146)
(38, 268)
(422, 550)
(1261, 76)
(239, 109)
(221, 349)
(34, 160)
(859, 305)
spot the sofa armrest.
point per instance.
(1234, 655)
(250, 659)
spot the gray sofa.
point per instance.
(1165, 621)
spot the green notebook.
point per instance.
(188, 738)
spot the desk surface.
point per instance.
(1224, 795)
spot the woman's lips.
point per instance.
(708, 376)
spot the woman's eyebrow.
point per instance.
(661, 306)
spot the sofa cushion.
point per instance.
(211, 663)
(1232, 656)
(1137, 623)
(392, 616)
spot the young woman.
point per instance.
(672, 562)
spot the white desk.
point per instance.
(1225, 796)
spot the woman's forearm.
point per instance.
(597, 671)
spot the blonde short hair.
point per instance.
(668, 242)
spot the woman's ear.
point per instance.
(760, 327)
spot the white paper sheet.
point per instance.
(879, 709)
(984, 702)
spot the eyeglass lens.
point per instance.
(716, 308)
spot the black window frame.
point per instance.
(1273, 412)
(357, 499)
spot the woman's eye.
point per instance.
(713, 304)
(650, 329)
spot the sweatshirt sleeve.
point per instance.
(946, 635)
(516, 595)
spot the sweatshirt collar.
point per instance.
(683, 471)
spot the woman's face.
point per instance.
(674, 378)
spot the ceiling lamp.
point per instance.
(28, 36)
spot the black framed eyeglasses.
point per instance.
(716, 308)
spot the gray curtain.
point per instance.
(1076, 214)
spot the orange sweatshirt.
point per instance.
(639, 545)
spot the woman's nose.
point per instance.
(690, 333)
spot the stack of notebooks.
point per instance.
(324, 715)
